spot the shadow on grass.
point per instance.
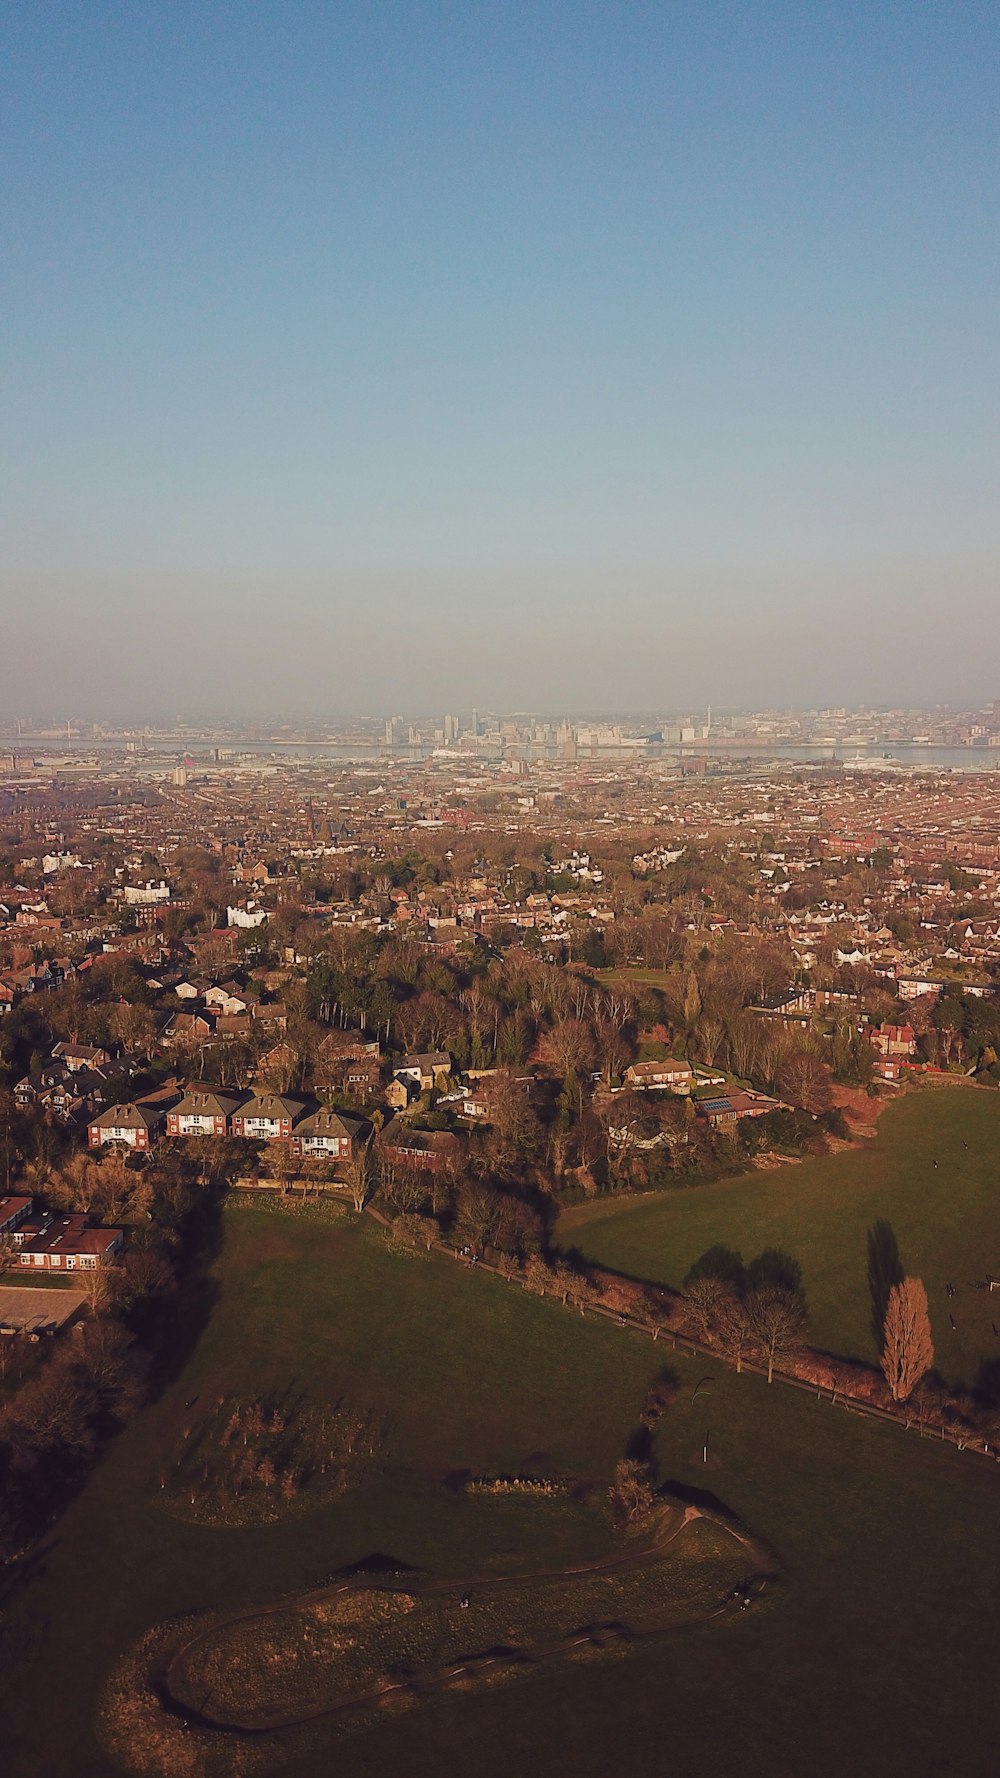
(584, 1264)
(885, 1270)
(178, 1322)
(19, 1574)
(986, 1388)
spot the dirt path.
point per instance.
(471, 1665)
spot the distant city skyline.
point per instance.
(466, 721)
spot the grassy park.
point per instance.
(875, 1535)
(932, 1171)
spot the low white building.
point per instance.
(248, 917)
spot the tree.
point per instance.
(281, 1165)
(514, 1131)
(707, 1298)
(359, 1175)
(134, 1026)
(576, 1287)
(650, 1311)
(410, 1230)
(908, 1351)
(537, 1276)
(477, 1215)
(803, 1079)
(733, 1329)
(631, 1495)
(777, 1319)
(406, 1188)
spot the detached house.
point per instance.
(668, 1076)
(77, 1056)
(431, 1070)
(724, 1110)
(894, 1040)
(363, 1078)
(228, 999)
(893, 1045)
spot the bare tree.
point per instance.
(537, 1276)
(733, 1329)
(908, 1351)
(804, 1079)
(410, 1230)
(405, 1188)
(706, 1299)
(612, 1047)
(570, 1045)
(777, 1318)
(630, 1496)
(133, 1026)
(359, 1175)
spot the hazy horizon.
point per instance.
(585, 357)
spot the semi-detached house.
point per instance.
(330, 1134)
(204, 1113)
(127, 1126)
(268, 1117)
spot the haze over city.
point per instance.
(589, 357)
(499, 889)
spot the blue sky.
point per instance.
(619, 356)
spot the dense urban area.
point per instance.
(474, 989)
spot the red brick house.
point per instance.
(429, 1151)
(893, 1045)
(127, 1126)
(268, 1117)
(329, 1134)
(68, 1244)
(204, 1112)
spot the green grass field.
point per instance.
(636, 973)
(461, 1376)
(877, 1654)
(946, 1219)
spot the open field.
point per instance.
(457, 1377)
(877, 1655)
(637, 974)
(946, 1218)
